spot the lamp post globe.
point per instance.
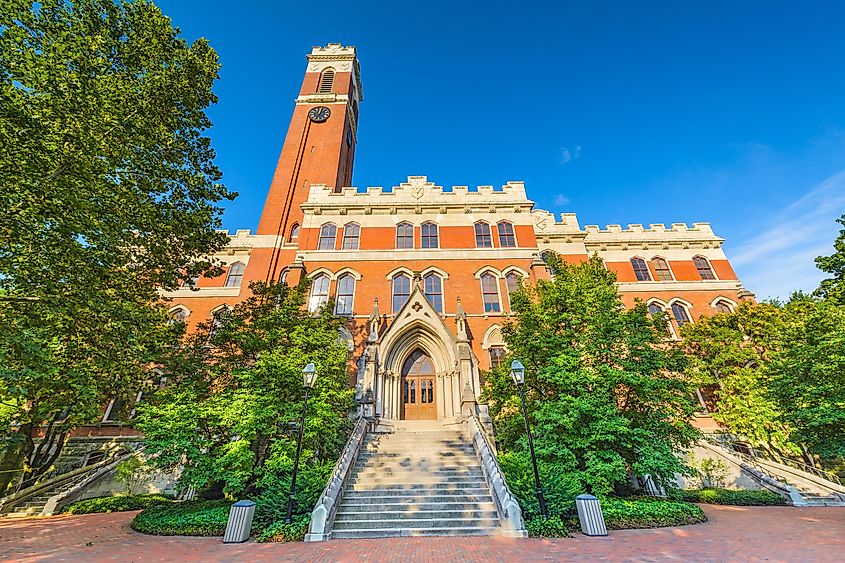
(517, 372)
(309, 377)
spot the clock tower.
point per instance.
(319, 147)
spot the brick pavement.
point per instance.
(732, 534)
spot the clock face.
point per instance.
(319, 114)
(349, 137)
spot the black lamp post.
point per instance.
(518, 376)
(309, 376)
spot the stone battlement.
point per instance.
(417, 190)
(332, 50)
(698, 228)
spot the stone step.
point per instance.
(415, 523)
(349, 516)
(393, 496)
(424, 505)
(411, 472)
(420, 484)
(409, 532)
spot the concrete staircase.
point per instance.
(421, 480)
(34, 506)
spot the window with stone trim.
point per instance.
(404, 236)
(512, 282)
(434, 291)
(351, 236)
(483, 238)
(656, 309)
(326, 81)
(178, 315)
(401, 291)
(546, 256)
(428, 235)
(497, 356)
(662, 269)
(490, 293)
(681, 314)
(235, 275)
(640, 269)
(328, 235)
(507, 238)
(704, 268)
(345, 295)
(319, 293)
(723, 306)
(294, 232)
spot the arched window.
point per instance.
(723, 306)
(490, 293)
(404, 235)
(345, 295)
(218, 317)
(428, 235)
(328, 233)
(434, 291)
(351, 236)
(512, 282)
(656, 309)
(545, 256)
(319, 293)
(326, 81)
(640, 269)
(178, 315)
(401, 291)
(497, 356)
(680, 313)
(294, 232)
(703, 267)
(235, 275)
(507, 239)
(661, 268)
(483, 239)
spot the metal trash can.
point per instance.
(240, 522)
(590, 515)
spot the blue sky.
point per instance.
(623, 112)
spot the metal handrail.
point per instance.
(776, 458)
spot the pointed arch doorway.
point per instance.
(417, 388)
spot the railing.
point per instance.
(322, 517)
(795, 464)
(508, 508)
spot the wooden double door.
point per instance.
(418, 389)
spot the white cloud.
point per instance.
(566, 155)
(561, 199)
(779, 259)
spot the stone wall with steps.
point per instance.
(422, 479)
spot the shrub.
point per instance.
(553, 527)
(192, 518)
(560, 487)
(733, 497)
(295, 531)
(117, 503)
(271, 503)
(648, 512)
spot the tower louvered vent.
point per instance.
(326, 80)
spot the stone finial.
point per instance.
(461, 321)
(374, 322)
(467, 401)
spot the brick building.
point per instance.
(424, 272)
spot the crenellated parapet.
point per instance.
(655, 236)
(418, 195)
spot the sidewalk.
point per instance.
(732, 534)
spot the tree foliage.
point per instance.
(603, 391)
(833, 288)
(235, 386)
(108, 191)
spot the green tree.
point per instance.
(806, 375)
(834, 288)
(108, 192)
(730, 353)
(236, 385)
(604, 391)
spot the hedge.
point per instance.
(648, 512)
(117, 503)
(733, 497)
(295, 531)
(554, 527)
(192, 518)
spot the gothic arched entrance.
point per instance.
(417, 388)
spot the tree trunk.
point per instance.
(13, 458)
(41, 459)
